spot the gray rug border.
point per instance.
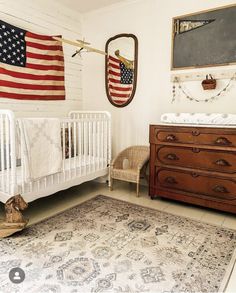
(139, 205)
(232, 262)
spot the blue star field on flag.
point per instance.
(126, 74)
(12, 45)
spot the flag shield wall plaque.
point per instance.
(121, 69)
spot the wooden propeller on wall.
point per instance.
(80, 44)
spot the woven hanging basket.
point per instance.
(209, 83)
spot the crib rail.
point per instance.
(85, 142)
(7, 152)
(86, 151)
(96, 122)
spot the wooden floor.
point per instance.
(46, 207)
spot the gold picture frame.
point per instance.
(202, 25)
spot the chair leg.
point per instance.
(111, 184)
(137, 189)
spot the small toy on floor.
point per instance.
(14, 220)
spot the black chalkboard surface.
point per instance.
(205, 39)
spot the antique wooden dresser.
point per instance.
(194, 164)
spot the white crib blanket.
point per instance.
(41, 152)
(199, 118)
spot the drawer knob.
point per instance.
(220, 189)
(195, 132)
(222, 162)
(172, 157)
(222, 141)
(171, 137)
(195, 150)
(194, 175)
(170, 180)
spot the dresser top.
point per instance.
(196, 125)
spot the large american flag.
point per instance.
(31, 65)
(120, 81)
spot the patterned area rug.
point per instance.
(107, 245)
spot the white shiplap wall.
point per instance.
(50, 18)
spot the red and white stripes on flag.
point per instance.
(42, 75)
(118, 91)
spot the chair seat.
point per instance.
(129, 175)
(128, 164)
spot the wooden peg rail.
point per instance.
(199, 76)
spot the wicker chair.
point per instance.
(134, 157)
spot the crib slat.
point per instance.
(93, 145)
(80, 147)
(7, 149)
(2, 152)
(98, 153)
(109, 142)
(102, 144)
(85, 148)
(105, 141)
(7, 140)
(75, 148)
(70, 145)
(90, 145)
(31, 187)
(22, 164)
(63, 149)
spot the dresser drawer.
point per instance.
(193, 135)
(194, 183)
(196, 158)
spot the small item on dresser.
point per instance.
(209, 83)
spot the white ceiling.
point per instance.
(84, 6)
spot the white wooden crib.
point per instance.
(86, 149)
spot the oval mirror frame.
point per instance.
(134, 72)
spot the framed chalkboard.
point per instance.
(206, 38)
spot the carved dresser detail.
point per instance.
(194, 164)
